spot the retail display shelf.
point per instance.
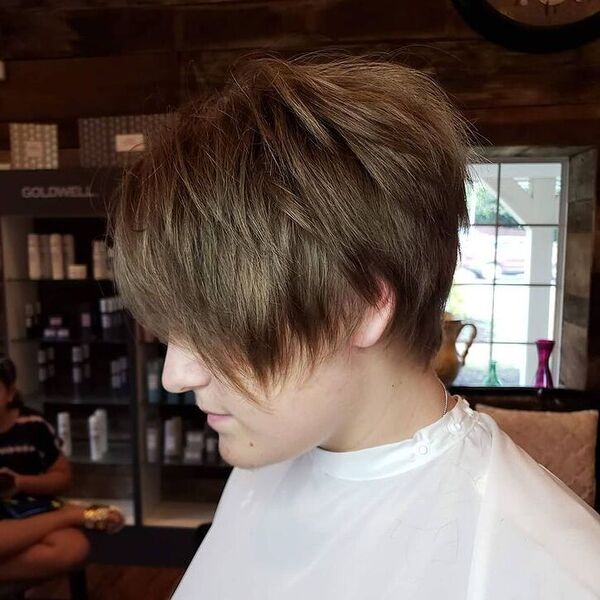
(125, 506)
(181, 514)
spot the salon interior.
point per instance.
(82, 81)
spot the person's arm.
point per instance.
(56, 480)
(18, 534)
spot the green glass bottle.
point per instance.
(492, 379)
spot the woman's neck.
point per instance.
(389, 400)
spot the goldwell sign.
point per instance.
(57, 191)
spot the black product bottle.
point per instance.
(37, 320)
(211, 446)
(30, 332)
(115, 377)
(77, 370)
(85, 322)
(124, 371)
(87, 369)
(51, 370)
(105, 319)
(42, 372)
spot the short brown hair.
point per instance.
(258, 226)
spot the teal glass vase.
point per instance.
(492, 379)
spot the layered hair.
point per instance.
(261, 222)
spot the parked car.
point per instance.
(480, 256)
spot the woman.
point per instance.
(32, 465)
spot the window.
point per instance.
(509, 272)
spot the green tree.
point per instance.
(485, 208)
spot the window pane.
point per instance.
(530, 193)
(476, 365)
(482, 193)
(527, 255)
(472, 304)
(477, 251)
(505, 281)
(523, 314)
(514, 363)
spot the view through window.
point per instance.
(510, 269)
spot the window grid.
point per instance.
(554, 285)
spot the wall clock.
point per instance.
(534, 25)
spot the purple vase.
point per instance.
(543, 376)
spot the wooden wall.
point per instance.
(105, 57)
(580, 351)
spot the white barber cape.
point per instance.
(457, 512)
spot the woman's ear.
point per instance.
(376, 318)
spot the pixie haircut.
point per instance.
(259, 224)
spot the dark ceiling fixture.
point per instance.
(534, 25)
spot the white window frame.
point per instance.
(560, 259)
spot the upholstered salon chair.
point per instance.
(563, 442)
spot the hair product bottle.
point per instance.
(85, 321)
(154, 387)
(42, 371)
(50, 369)
(63, 425)
(94, 434)
(37, 319)
(57, 256)
(99, 260)
(124, 372)
(77, 369)
(34, 255)
(68, 250)
(87, 369)
(29, 321)
(103, 429)
(173, 434)
(152, 443)
(194, 447)
(45, 257)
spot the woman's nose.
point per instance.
(183, 371)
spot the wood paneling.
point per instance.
(42, 33)
(143, 58)
(538, 125)
(579, 330)
(475, 73)
(99, 28)
(574, 359)
(79, 87)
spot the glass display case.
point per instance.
(182, 475)
(83, 363)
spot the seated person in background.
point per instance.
(294, 240)
(32, 465)
(51, 544)
(29, 447)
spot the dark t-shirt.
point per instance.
(31, 446)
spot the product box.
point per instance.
(116, 141)
(33, 146)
